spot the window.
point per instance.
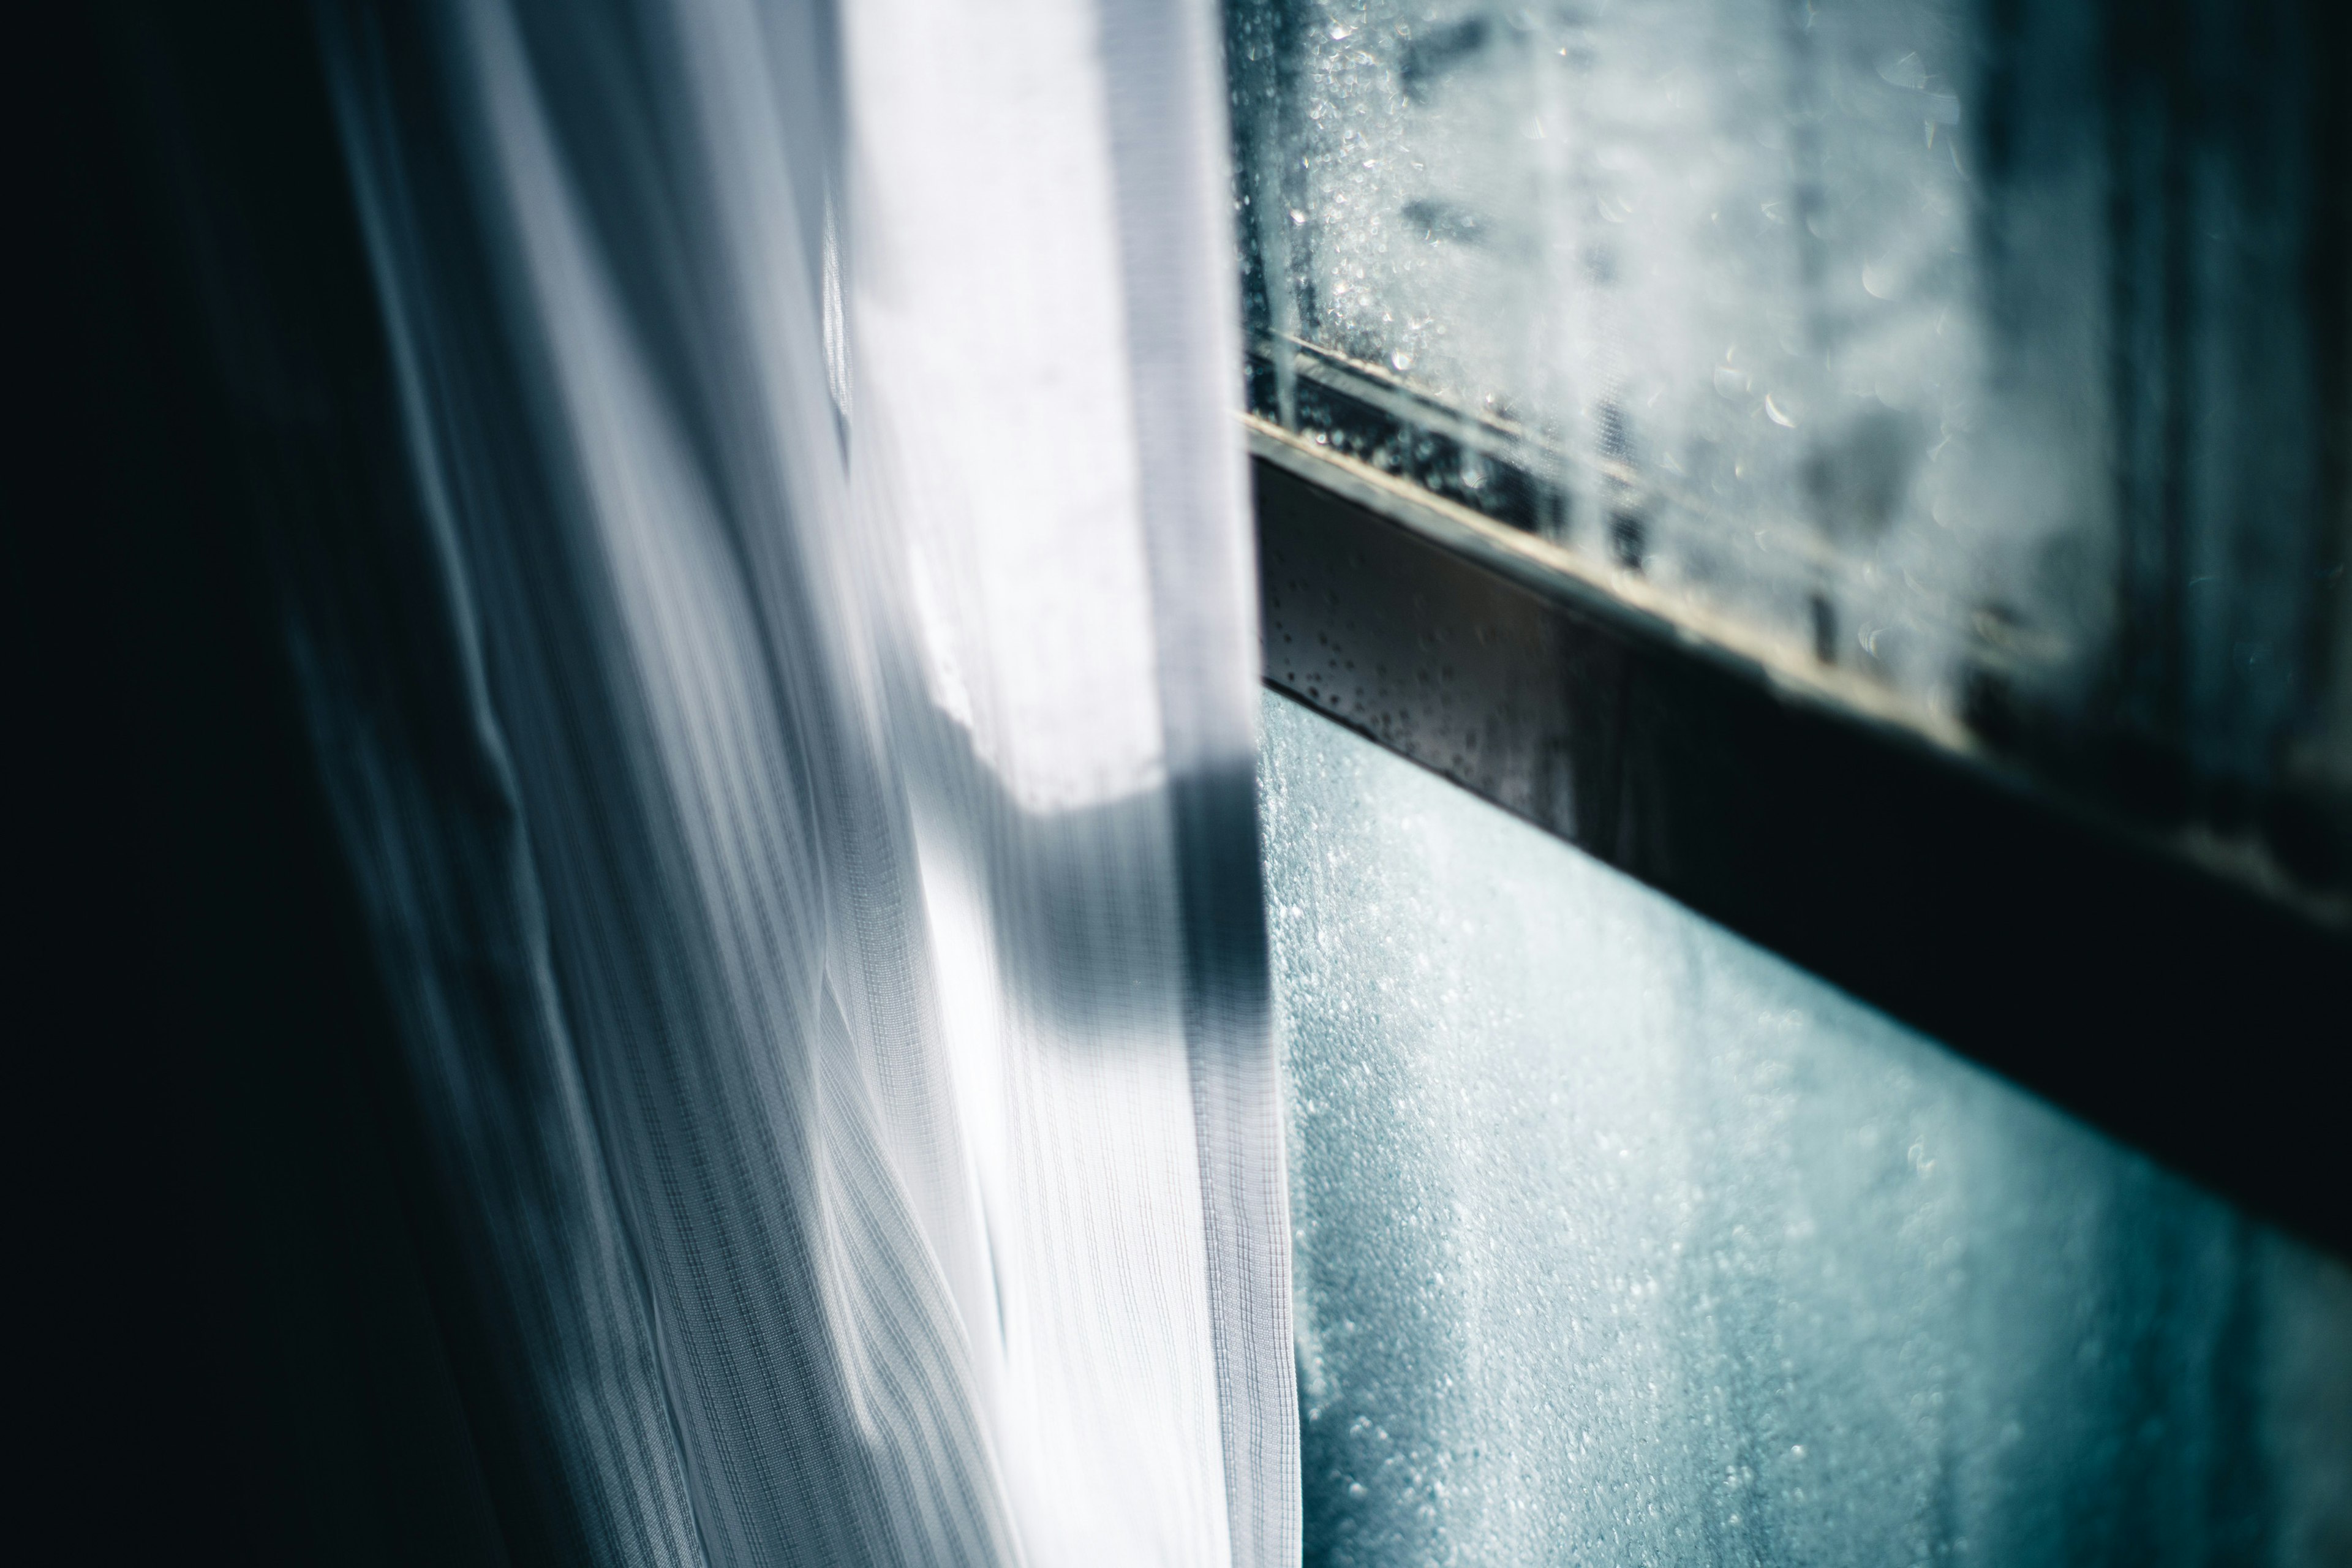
(1875, 476)
(1984, 373)
(1621, 1240)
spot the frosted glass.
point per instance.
(1619, 1240)
(1973, 349)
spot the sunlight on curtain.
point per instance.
(783, 782)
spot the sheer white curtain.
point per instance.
(821, 907)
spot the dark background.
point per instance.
(234, 1344)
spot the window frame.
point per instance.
(2181, 1010)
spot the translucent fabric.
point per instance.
(795, 754)
(1623, 1241)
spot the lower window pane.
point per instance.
(1621, 1241)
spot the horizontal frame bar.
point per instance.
(2181, 1013)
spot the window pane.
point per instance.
(1621, 1241)
(1990, 357)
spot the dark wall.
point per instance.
(237, 1345)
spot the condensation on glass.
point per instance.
(1995, 354)
(1620, 1241)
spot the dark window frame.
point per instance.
(2189, 1012)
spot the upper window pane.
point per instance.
(1978, 354)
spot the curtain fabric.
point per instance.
(796, 760)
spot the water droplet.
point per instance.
(1772, 411)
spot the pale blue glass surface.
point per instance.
(1621, 1241)
(1991, 354)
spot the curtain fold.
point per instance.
(799, 780)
